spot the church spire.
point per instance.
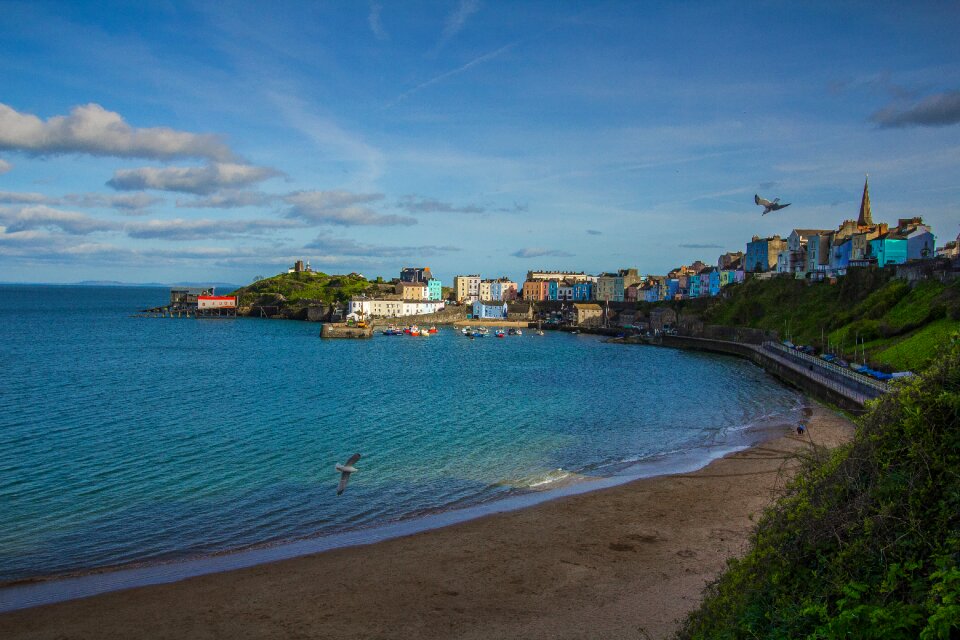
(866, 218)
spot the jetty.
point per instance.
(344, 330)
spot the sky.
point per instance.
(220, 141)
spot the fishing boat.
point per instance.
(540, 332)
(519, 332)
(499, 333)
(432, 330)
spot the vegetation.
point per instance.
(867, 544)
(899, 325)
(299, 289)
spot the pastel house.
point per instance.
(483, 311)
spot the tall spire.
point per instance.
(866, 218)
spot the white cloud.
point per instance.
(340, 208)
(347, 247)
(199, 180)
(44, 217)
(93, 130)
(4, 166)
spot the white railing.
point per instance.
(820, 362)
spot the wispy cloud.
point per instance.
(456, 20)
(701, 246)
(44, 217)
(594, 232)
(131, 204)
(449, 74)
(230, 200)
(13, 197)
(534, 252)
(4, 166)
(348, 247)
(93, 130)
(415, 204)
(937, 110)
(179, 229)
(199, 180)
(376, 24)
(341, 208)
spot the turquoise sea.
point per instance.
(129, 440)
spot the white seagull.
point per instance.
(345, 471)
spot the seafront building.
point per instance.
(390, 308)
(466, 288)
(489, 310)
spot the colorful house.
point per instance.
(483, 310)
(535, 290)
(693, 286)
(714, 282)
(583, 290)
(762, 253)
(434, 289)
(888, 249)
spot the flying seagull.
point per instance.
(345, 471)
(769, 206)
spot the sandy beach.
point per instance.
(624, 562)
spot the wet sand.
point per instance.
(624, 562)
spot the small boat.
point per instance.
(499, 333)
(432, 330)
(540, 332)
(518, 332)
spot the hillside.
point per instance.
(900, 326)
(301, 289)
(865, 543)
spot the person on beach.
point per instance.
(801, 429)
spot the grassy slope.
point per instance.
(313, 286)
(866, 544)
(901, 325)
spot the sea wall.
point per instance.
(805, 379)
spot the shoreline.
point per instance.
(42, 590)
(536, 571)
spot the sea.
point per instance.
(130, 441)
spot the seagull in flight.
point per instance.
(345, 471)
(769, 206)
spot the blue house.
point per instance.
(434, 289)
(714, 282)
(491, 311)
(673, 288)
(553, 290)
(840, 254)
(694, 286)
(583, 291)
(889, 250)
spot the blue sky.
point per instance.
(185, 141)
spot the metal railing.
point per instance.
(867, 381)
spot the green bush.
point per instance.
(866, 545)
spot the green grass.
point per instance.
(920, 347)
(866, 306)
(301, 288)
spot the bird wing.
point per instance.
(352, 460)
(344, 478)
(762, 201)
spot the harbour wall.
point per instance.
(803, 377)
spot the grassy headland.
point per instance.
(290, 294)
(901, 326)
(866, 542)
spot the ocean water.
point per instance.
(129, 440)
